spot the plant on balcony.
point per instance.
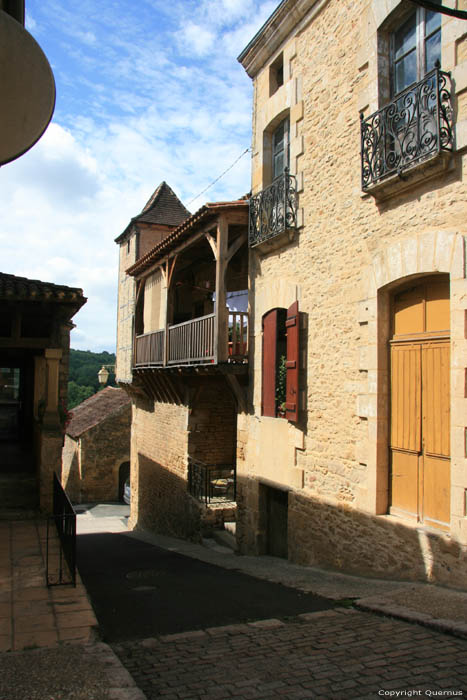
(281, 386)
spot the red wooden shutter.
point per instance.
(292, 328)
(268, 389)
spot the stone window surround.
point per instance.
(373, 57)
(441, 251)
(285, 101)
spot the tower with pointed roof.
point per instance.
(161, 214)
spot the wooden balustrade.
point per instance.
(238, 334)
(149, 348)
(192, 342)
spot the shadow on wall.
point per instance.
(163, 502)
(348, 540)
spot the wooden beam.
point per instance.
(221, 320)
(238, 391)
(212, 242)
(236, 245)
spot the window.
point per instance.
(276, 74)
(280, 149)
(128, 245)
(279, 395)
(416, 46)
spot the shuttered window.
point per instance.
(280, 349)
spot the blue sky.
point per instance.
(146, 91)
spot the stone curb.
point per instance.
(123, 686)
(385, 607)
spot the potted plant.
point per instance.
(281, 387)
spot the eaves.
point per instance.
(290, 16)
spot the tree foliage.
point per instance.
(83, 380)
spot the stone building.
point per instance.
(96, 452)
(35, 325)
(358, 225)
(182, 357)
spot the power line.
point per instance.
(247, 150)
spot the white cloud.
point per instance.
(142, 96)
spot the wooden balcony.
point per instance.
(193, 343)
(149, 349)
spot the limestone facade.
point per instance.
(352, 249)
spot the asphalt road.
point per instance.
(139, 590)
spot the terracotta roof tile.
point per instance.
(20, 288)
(184, 231)
(163, 207)
(95, 409)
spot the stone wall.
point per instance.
(91, 463)
(349, 251)
(125, 309)
(213, 424)
(159, 469)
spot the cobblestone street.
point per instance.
(340, 653)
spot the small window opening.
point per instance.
(128, 246)
(276, 75)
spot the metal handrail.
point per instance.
(64, 517)
(415, 126)
(211, 482)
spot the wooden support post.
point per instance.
(221, 315)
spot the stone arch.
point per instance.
(427, 254)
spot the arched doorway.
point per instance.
(419, 343)
(123, 475)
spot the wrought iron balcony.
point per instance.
(415, 126)
(274, 210)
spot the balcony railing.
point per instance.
(238, 334)
(211, 483)
(192, 341)
(274, 210)
(149, 348)
(415, 126)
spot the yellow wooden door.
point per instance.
(420, 397)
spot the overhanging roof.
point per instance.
(13, 288)
(184, 231)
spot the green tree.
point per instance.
(78, 393)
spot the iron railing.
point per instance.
(273, 210)
(149, 348)
(415, 126)
(211, 483)
(64, 518)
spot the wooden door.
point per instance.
(420, 397)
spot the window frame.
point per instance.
(279, 323)
(285, 126)
(420, 47)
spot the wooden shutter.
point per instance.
(268, 389)
(292, 327)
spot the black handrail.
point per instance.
(64, 518)
(211, 482)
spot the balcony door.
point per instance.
(420, 396)
(415, 48)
